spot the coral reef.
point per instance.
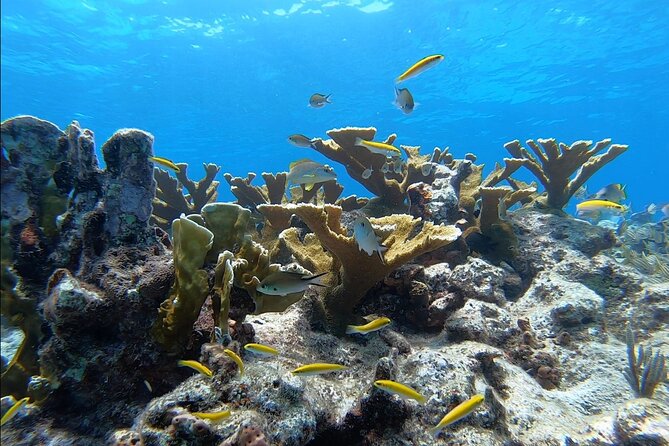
(563, 169)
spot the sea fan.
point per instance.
(645, 370)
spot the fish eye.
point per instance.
(275, 289)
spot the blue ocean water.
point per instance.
(228, 81)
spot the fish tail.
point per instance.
(381, 250)
(350, 329)
(327, 98)
(316, 279)
(358, 141)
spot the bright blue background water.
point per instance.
(228, 81)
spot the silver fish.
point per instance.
(281, 283)
(364, 235)
(404, 100)
(309, 172)
(300, 140)
(367, 173)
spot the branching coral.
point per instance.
(170, 201)
(554, 164)
(390, 186)
(404, 236)
(645, 370)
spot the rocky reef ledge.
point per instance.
(544, 335)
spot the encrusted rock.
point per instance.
(482, 322)
(478, 279)
(643, 421)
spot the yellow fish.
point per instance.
(196, 366)
(300, 140)
(420, 66)
(318, 368)
(165, 163)
(379, 147)
(235, 357)
(260, 349)
(212, 416)
(376, 324)
(318, 100)
(399, 389)
(600, 205)
(460, 411)
(12, 411)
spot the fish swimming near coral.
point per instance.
(404, 100)
(213, 416)
(165, 163)
(422, 65)
(376, 324)
(309, 173)
(399, 389)
(379, 147)
(12, 411)
(318, 100)
(318, 368)
(364, 235)
(260, 349)
(235, 357)
(282, 283)
(460, 411)
(612, 192)
(300, 140)
(590, 206)
(366, 173)
(195, 365)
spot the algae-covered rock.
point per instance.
(643, 421)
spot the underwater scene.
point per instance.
(334, 222)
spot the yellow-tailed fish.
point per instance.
(282, 283)
(613, 192)
(404, 100)
(260, 349)
(195, 365)
(379, 147)
(235, 357)
(318, 368)
(12, 411)
(165, 163)
(399, 389)
(376, 324)
(420, 66)
(600, 205)
(318, 100)
(212, 416)
(309, 172)
(300, 140)
(364, 235)
(460, 411)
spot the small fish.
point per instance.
(385, 168)
(260, 349)
(235, 357)
(367, 173)
(613, 192)
(399, 389)
(300, 140)
(165, 163)
(379, 147)
(195, 365)
(397, 168)
(600, 205)
(318, 368)
(282, 283)
(364, 235)
(309, 173)
(665, 210)
(581, 193)
(318, 100)
(376, 324)
(148, 386)
(212, 416)
(460, 411)
(420, 66)
(404, 100)
(12, 411)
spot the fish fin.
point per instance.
(327, 98)
(381, 250)
(358, 141)
(315, 278)
(350, 329)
